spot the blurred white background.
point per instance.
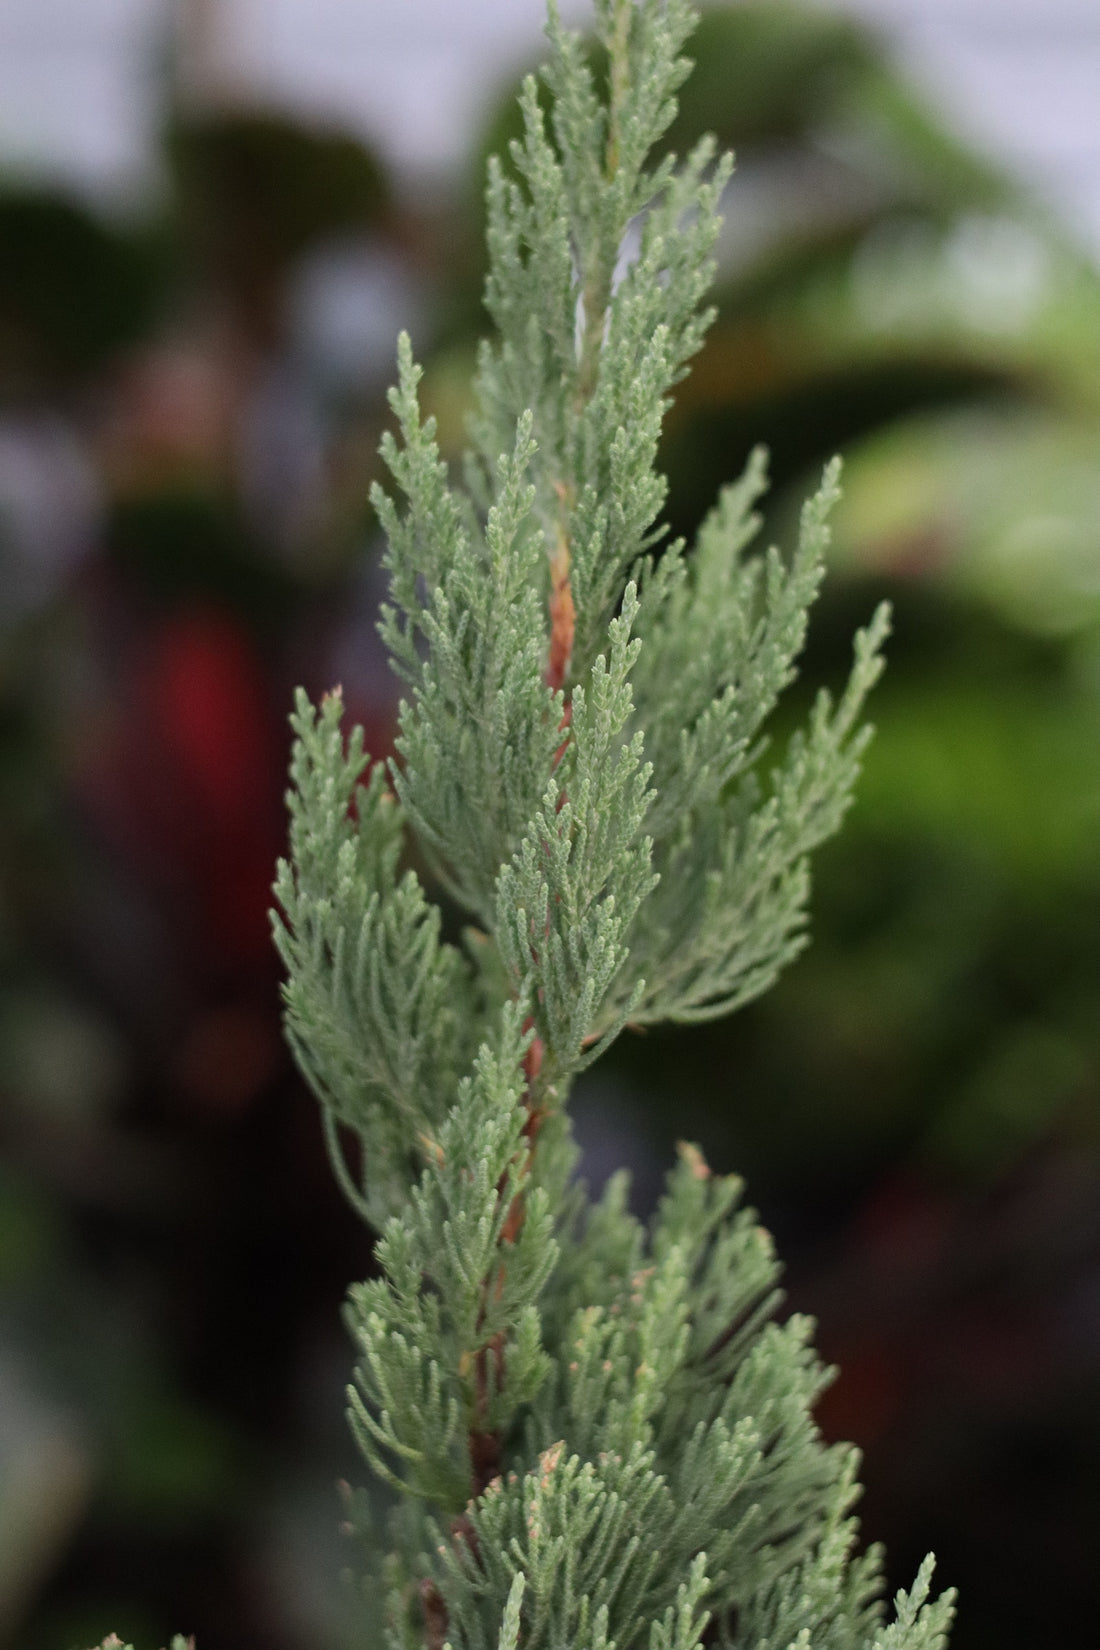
(79, 78)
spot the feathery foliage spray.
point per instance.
(595, 1433)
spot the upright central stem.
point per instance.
(485, 1444)
(597, 280)
(563, 614)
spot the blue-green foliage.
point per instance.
(598, 1434)
(450, 1287)
(113, 1642)
(566, 899)
(481, 728)
(379, 1012)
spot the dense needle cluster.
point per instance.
(595, 1433)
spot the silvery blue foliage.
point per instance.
(597, 1433)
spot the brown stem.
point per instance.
(563, 615)
(435, 1616)
(484, 1443)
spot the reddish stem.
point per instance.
(485, 1445)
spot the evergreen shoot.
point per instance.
(592, 1433)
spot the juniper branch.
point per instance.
(600, 1434)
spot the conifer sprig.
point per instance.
(597, 1434)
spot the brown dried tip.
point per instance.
(431, 1148)
(693, 1157)
(549, 1459)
